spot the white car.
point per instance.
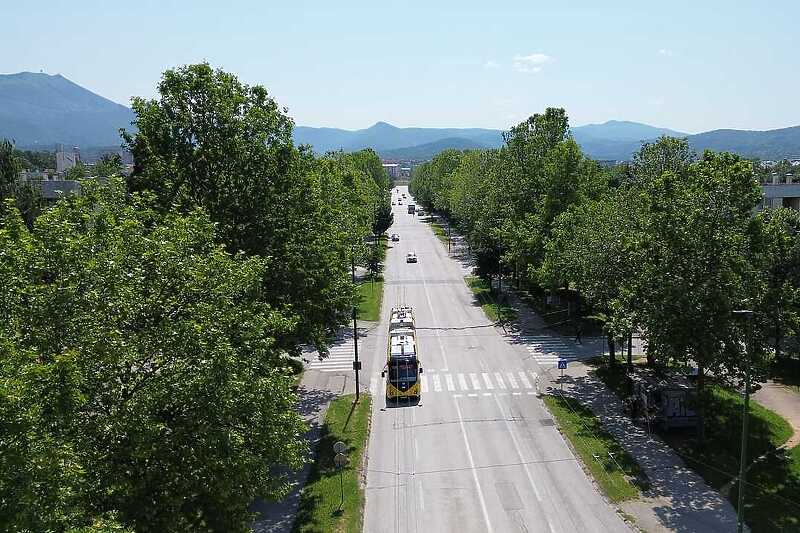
(411, 257)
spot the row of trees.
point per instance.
(146, 324)
(668, 244)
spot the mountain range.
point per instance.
(40, 110)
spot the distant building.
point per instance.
(67, 160)
(393, 169)
(781, 191)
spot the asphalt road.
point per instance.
(479, 452)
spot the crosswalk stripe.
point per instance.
(450, 385)
(475, 383)
(424, 380)
(346, 363)
(499, 378)
(512, 380)
(462, 382)
(524, 379)
(487, 381)
(437, 383)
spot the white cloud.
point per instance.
(491, 64)
(665, 52)
(531, 62)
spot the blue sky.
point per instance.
(690, 66)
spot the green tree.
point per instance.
(108, 165)
(778, 249)
(10, 167)
(140, 380)
(211, 141)
(594, 249)
(27, 195)
(697, 265)
(78, 172)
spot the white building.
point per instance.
(393, 169)
(66, 160)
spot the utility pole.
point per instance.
(356, 362)
(448, 236)
(747, 315)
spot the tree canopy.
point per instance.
(140, 373)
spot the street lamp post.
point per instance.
(356, 362)
(748, 316)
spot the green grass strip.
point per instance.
(593, 444)
(319, 509)
(494, 311)
(439, 231)
(370, 294)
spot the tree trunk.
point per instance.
(651, 359)
(777, 339)
(630, 352)
(612, 355)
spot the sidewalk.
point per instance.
(678, 499)
(786, 402)
(316, 391)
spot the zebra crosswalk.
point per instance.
(340, 357)
(548, 349)
(460, 383)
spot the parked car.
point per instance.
(395, 237)
(411, 257)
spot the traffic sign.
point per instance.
(339, 447)
(340, 460)
(562, 364)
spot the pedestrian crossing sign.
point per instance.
(562, 364)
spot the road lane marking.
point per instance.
(521, 459)
(487, 393)
(451, 386)
(462, 382)
(424, 380)
(476, 385)
(524, 379)
(512, 380)
(437, 383)
(499, 378)
(487, 381)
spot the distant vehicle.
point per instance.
(395, 237)
(420, 211)
(404, 195)
(393, 202)
(411, 209)
(411, 257)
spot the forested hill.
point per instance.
(782, 143)
(42, 110)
